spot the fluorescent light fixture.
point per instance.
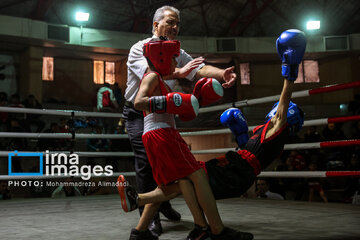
(313, 25)
(82, 16)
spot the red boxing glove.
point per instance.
(176, 103)
(208, 91)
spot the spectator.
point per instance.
(105, 99)
(312, 135)
(121, 127)
(120, 145)
(263, 190)
(333, 132)
(97, 145)
(15, 102)
(354, 106)
(315, 185)
(51, 144)
(16, 143)
(4, 190)
(64, 127)
(352, 184)
(298, 161)
(66, 190)
(118, 93)
(292, 187)
(33, 119)
(106, 102)
(3, 115)
(355, 130)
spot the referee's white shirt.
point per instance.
(137, 65)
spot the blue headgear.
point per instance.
(295, 116)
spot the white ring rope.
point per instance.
(293, 174)
(60, 112)
(294, 146)
(265, 174)
(308, 174)
(115, 174)
(82, 154)
(62, 135)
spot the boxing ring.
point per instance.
(101, 217)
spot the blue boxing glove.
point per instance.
(291, 48)
(235, 120)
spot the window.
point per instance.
(245, 73)
(99, 72)
(311, 71)
(48, 69)
(101, 69)
(308, 72)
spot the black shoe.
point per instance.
(155, 226)
(231, 234)
(142, 235)
(199, 233)
(128, 195)
(170, 213)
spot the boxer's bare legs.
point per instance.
(206, 200)
(160, 194)
(147, 216)
(189, 194)
(164, 193)
(193, 197)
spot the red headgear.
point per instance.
(160, 54)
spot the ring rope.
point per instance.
(309, 174)
(82, 154)
(62, 135)
(315, 122)
(246, 102)
(267, 174)
(115, 174)
(304, 93)
(295, 146)
(60, 112)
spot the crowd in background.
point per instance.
(329, 159)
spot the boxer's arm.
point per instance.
(280, 118)
(285, 97)
(146, 89)
(226, 75)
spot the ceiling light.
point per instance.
(82, 16)
(313, 25)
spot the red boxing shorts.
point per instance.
(169, 156)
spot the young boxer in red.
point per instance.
(169, 155)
